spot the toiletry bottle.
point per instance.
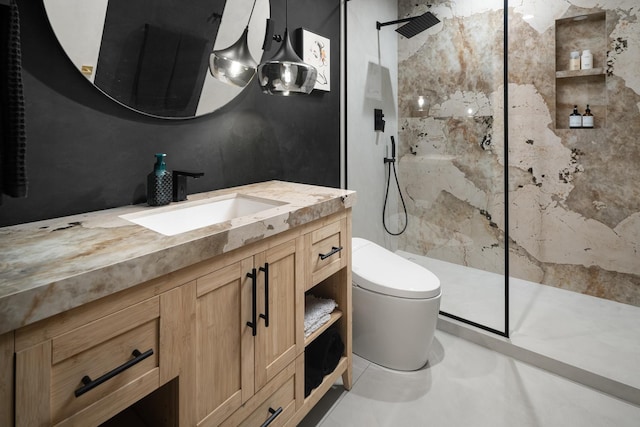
(159, 183)
(574, 62)
(587, 118)
(586, 61)
(575, 119)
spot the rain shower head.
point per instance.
(418, 25)
(414, 25)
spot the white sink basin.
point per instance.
(175, 219)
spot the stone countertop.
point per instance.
(48, 267)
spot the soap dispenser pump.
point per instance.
(159, 183)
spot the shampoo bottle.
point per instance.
(586, 60)
(574, 62)
(159, 183)
(575, 119)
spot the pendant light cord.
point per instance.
(251, 14)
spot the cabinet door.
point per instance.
(279, 275)
(224, 343)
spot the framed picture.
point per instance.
(316, 51)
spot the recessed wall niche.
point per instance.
(581, 87)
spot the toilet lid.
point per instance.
(380, 270)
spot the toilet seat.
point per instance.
(380, 270)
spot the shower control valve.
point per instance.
(378, 121)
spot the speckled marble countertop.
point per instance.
(48, 267)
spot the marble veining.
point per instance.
(574, 202)
(51, 266)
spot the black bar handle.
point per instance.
(265, 316)
(274, 414)
(334, 250)
(254, 286)
(90, 384)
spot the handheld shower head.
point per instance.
(393, 147)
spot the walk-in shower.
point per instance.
(513, 210)
(451, 156)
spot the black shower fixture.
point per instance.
(378, 120)
(414, 25)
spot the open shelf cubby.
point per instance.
(336, 287)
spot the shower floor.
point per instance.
(588, 339)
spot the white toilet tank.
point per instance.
(395, 307)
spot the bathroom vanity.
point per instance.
(113, 323)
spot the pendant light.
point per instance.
(286, 74)
(234, 65)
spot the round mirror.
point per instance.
(153, 55)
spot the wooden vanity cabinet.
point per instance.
(245, 327)
(245, 380)
(86, 365)
(328, 275)
(207, 355)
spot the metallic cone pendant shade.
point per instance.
(286, 74)
(234, 65)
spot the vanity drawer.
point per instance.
(101, 367)
(275, 402)
(328, 251)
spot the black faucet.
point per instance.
(180, 184)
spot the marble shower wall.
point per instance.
(574, 198)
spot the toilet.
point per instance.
(395, 307)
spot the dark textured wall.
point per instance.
(86, 153)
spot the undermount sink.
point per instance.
(175, 219)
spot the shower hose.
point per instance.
(392, 165)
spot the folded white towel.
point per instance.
(316, 325)
(316, 312)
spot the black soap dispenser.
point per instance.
(159, 183)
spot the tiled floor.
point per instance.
(591, 340)
(596, 335)
(466, 385)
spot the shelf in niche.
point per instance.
(581, 87)
(580, 73)
(335, 315)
